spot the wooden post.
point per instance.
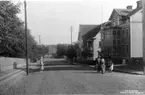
(71, 35)
(25, 6)
(143, 19)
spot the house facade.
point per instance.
(96, 45)
(83, 30)
(136, 34)
(120, 37)
(115, 35)
(91, 42)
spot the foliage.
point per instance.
(71, 52)
(61, 49)
(37, 51)
(12, 32)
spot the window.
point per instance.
(118, 34)
(127, 30)
(127, 34)
(100, 44)
(122, 32)
(127, 49)
(114, 42)
(114, 32)
(118, 42)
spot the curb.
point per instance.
(9, 74)
(121, 71)
(134, 73)
(118, 70)
(10, 77)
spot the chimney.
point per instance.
(129, 7)
(139, 4)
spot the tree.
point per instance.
(61, 50)
(12, 31)
(71, 53)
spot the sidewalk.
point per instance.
(4, 74)
(128, 69)
(123, 69)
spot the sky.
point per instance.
(52, 19)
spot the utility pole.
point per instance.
(71, 35)
(25, 6)
(39, 39)
(40, 44)
(143, 19)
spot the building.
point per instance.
(115, 35)
(83, 29)
(121, 37)
(91, 41)
(136, 32)
(96, 45)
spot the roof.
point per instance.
(134, 11)
(83, 29)
(92, 33)
(122, 12)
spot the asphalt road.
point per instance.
(60, 77)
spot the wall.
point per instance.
(107, 41)
(96, 45)
(7, 63)
(136, 35)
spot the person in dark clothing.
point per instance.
(100, 64)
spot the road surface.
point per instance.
(60, 77)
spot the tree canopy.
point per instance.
(12, 32)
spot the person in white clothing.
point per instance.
(41, 62)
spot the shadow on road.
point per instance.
(62, 65)
(53, 63)
(63, 68)
(92, 72)
(31, 70)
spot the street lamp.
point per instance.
(25, 6)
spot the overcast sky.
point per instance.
(52, 19)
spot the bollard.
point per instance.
(14, 65)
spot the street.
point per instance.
(59, 77)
